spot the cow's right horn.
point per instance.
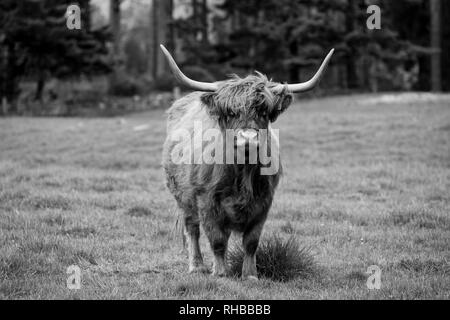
(181, 77)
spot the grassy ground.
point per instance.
(366, 182)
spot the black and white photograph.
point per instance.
(236, 151)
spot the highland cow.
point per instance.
(226, 196)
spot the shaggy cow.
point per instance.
(225, 197)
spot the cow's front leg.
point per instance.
(192, 230)
(250, 243)
(218, 240)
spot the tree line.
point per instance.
(286, 39)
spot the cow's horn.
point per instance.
(182, 79)
(308, 85)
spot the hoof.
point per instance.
(251, 278)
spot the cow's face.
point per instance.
(246, 106)
(249, 104)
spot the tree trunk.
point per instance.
(204, 16)
(195, 18)
(155, 33)
(435, 16)
(445, 46)
(169, 32)
(11, 84)
(170, 37)
(114, 22)
(3, 78)
(40, 84)
(86, 15)
(351, 25)
(294, 69)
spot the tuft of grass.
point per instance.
(139, 212)
(40, 246)
(11, 267)
(356, 275)
(191, 286)
(80, 232)
(418, 218)
(24, 265)
(50, 202)
(14, 290)
(288, 228)
(54, 220)
(277, 259)
(85, 256)
(427, 266)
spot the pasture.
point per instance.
(366, 182)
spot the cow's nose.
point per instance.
(247, 136)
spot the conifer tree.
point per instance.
(37, 43)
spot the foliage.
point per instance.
(288, 39)
(277, 259)
(124, 85)
(35, 38)
(285, 39)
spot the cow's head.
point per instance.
(248, 104)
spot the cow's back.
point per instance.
(182, 115)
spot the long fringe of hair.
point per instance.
(245, 94)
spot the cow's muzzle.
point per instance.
(246, 138)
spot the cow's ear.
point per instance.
(208, 99)
(284, 101)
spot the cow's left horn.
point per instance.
(308, 85)
(189, 83)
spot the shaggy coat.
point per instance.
(224, 197)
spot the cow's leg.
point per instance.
(192, 230)
(218, 240)
(250, 242)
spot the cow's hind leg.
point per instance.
(192, 230)
(218, 240)
(250, 243)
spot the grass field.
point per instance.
(367, 182)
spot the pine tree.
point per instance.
(37, 43)
(200, 58)
(282, 38)
(436, 44)
(287, 39)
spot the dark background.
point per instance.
(113, 64)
